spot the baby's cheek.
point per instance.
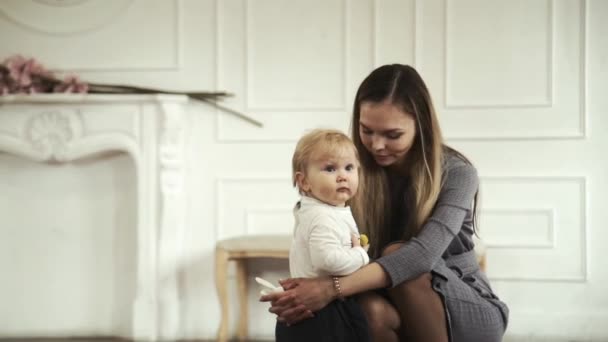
(327, 192)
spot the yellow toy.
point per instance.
(364, 240)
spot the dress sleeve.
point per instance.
(329, 255)
(421, 253)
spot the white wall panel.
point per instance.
(63, 17)
(395, 25)
(290, 55)
(506, 70)
(499, 53)
(269, 220)
(279, 127)
(245, 203)
(322, 55)
(545, 226)
(518, 228)
(231, 60)
(360, 42)
(166, 44)
(113, 40)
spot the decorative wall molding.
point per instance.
(547, 214)
(414, 8)
(449, 101)
(235, 46)
(568, 229)
(60, 3)
(244, 213)
(561, 117)
(251, 105)
(252, 213)
(63, 17)
(72, 23)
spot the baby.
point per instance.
(326, 239)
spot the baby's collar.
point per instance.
(307, 200)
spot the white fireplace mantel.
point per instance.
(151, 129)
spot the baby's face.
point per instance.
(333, 179)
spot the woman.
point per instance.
(417, 202)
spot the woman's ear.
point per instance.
(302, 182)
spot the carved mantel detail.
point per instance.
(50, 133)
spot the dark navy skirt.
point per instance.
(339, 321)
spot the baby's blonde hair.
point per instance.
(329, 142)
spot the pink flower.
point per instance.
(19, 75)
(18, 70)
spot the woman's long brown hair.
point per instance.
(402, 86)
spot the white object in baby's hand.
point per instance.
(268, 287)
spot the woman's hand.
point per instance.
(300, 299)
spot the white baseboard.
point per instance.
(591, 326)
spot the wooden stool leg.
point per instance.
(482, 262)
(241, 278)
(221, 283)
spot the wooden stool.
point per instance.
(481, 260)
(239, 249)
(480, 252)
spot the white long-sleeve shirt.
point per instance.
(322, 243)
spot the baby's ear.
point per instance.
(302, 182)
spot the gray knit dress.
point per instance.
(444, 247)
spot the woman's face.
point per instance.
(386, 131)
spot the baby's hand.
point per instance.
(364, 242)
(354, 238)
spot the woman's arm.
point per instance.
(370, 277)
(304, 296)
(420, 254)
